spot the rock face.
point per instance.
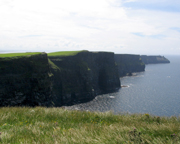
(25, 81)
(154, 59)
(81, 77)
(41, 80)
(127, 64)
(35, 80)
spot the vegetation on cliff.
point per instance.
(19, 54)
(64, 53)
(57, 125)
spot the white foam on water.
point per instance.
(111, 96)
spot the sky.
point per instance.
(150, 27)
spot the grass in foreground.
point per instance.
(18, 54)
(64, 53)
(56, 125)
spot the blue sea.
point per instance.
(155, 91)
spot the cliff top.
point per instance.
(19, 54)
(58, 125)
(65, 53)
(154, 59)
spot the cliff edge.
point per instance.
(154, 59)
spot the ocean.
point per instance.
(155, 91)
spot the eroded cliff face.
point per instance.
(81, 77)
(25, 81)
(35, 80)
(127, 64)
(154, 59)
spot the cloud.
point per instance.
(139, 34)
(25, 36)
(176, 29)
(122, 26)
(158, 36)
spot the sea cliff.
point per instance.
(154, 59)
(80, 77)
(25, 81)
(64, 78)
(57, 79)
(128, 63)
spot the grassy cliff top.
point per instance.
(56, 125)
(65, 53)
(19, 54)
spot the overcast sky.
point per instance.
(122, 26)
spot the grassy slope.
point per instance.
(61, 53)
(18, 54)
(53, 66)
(56, 125)
(64, 53)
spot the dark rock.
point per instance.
(127, 64)
(25, 81)
(81, 77)
(36, 80)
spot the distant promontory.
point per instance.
(154, 59)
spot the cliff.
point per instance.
(79, 77)
(127, 64)
(154, 59)
(61, 78)
(24, 80)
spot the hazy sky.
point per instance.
(121, 26)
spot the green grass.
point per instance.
(18, 54)
(53, 66)
(64, 53)
(57, 125)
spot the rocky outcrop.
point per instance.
(81, 77)
(25, 81)
(127, 64)
(154, 59)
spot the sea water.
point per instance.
(155, 91)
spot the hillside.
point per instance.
(57, 125)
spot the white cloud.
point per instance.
(54, 25)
